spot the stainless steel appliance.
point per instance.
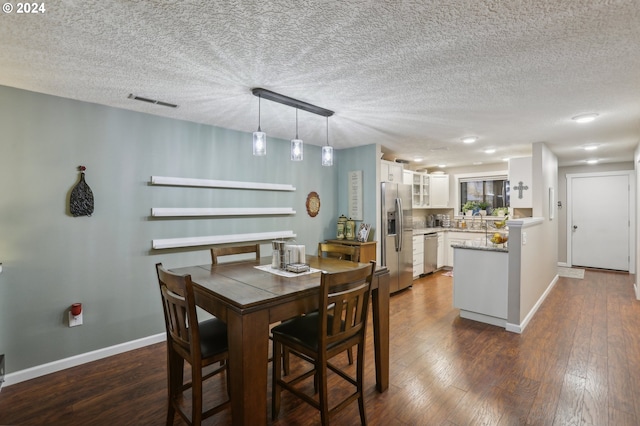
(397, 234)
(430, 253)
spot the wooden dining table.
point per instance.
(249, 299)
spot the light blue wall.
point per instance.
(105, 261)
(365, 159)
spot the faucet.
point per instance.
(485, 227)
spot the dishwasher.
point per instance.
(430, 253)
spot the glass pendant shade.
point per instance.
(327, 155)
(296, 144)
(296, 150)
(259, 137)
(327, 150)
(259, 143)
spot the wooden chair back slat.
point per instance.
(339, 251)
(217, 252)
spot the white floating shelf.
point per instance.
(257, 211)
(211, 183)
(219, 239)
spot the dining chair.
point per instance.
(227, 251)
(339, 251)
(201, 344)
(339, 324)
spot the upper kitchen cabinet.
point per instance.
(520, 181)
(419, 188)
(391, 171)
(439, 190)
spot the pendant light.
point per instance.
(327, 150)
(259, 137)
(296, 144)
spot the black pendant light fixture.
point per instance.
(259, 137)
(296, 144)
(327, 150)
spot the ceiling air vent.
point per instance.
(151, 101)
(401, 161)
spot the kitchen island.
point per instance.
(481, 282)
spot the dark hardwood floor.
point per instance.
(577, 363)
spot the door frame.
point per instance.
(632, 211)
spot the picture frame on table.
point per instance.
(363, 232)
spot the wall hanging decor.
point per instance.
(313, 204)
(81, 200)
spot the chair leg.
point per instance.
(196, 395)
(285, 361)
(360, 383)
(350, 355)
(175, 367)
(275, 386)
(321, 375)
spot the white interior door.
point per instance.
(599, 223)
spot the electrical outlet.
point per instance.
(524, 238)
(75, 320)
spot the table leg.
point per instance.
(248, 359)
(380, 305)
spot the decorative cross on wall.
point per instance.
(520, 188)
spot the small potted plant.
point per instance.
(469, 208)
(483, 208)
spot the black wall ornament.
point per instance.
(81, 200)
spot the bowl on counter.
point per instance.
(499, 238)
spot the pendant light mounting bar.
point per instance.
(286, 100)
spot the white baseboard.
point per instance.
(637, 289)
(519, 328)
(565, 264)
(62, 364)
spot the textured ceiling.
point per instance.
(413, 76)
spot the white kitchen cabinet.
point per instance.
(418, 255)
(441, 252)
(520, 182)
(419, 188)
(439, 190)
(407, 177)
(391, 171)
(425, 190)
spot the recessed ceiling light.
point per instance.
(590, 147)
(489, 151)
(442, 166)
(477, 163)
(417, 159)
(505, 159)
(469, 139)
(585, 118)
(592, 161)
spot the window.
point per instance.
(491, 190)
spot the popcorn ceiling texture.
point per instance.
(413, 76)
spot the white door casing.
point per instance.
(598, 216)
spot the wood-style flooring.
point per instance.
(577, 363)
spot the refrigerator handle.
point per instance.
(400, 224)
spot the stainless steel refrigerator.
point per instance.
(397, 234)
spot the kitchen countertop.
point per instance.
(420, 231)
(481, 247)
